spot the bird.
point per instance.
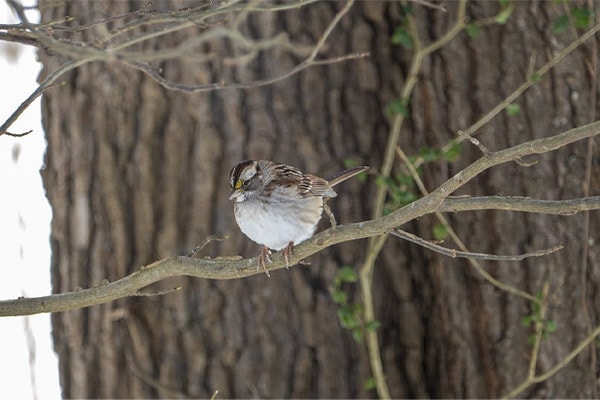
(277, 205)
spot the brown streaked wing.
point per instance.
(318, 186)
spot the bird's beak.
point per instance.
(237, 190)
(234, 194)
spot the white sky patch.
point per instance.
(27, 359)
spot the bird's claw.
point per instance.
(264, 255)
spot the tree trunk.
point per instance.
(135, 173)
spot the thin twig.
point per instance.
(207, 240)
(487, 276)
(375, 244)
(466, 254)
(530, 81)
(592, 63)
(149, 293)
(150, 71)
(48, 83)
(475, 142)
(18, 134)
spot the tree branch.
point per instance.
(83, 52)
(467, 254)
(233, 269)
(522, 204)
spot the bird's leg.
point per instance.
(329, 213)
(289, 249)
(262, 258)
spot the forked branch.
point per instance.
(116, 45)
(227, 268)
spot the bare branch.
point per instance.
(475, 142)
(148, 70)
(522, 204)
(207, 240)
(18, 134)
(234, 269)
(48, 83)
(466, 254)
(489, 278)
(83, 52)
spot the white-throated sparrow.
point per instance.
(277, 205)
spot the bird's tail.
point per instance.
(345, 174)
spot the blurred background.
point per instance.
(28, 362)
(137, 167)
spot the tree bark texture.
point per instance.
(135, 173)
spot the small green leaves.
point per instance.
(535, 320)
(398, 107)
(370, 383)
(513, 109)
(440, 232)
(400, 191)
(402, 37)
(347, 274)
(401, 186)
(536, 77)
(473, 30)
(560, 25)
(505, 14)
(580, 17)
(453, 152)
(583, 17)
(348, 317)
(429, 154)
(339, 297)
(349, 314)
(372, 325)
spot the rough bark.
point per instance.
(135, 173)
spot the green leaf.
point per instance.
(429, 154)
(340, 297)
(370, 383)
(347, 318)
(404, 180)
(402, 37)
(513, 109)
(381, 181)
(550, 326)
(473, 30)
(453, 152)
(357, 334)
(398, 107)
(357, 309)
(405, 198)
(347, 274)
(349, 162)
(440, 232)
(372, 325)
(583, 17)
(526, 321)
(560, 24)
(505, 14)
(535, 77)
